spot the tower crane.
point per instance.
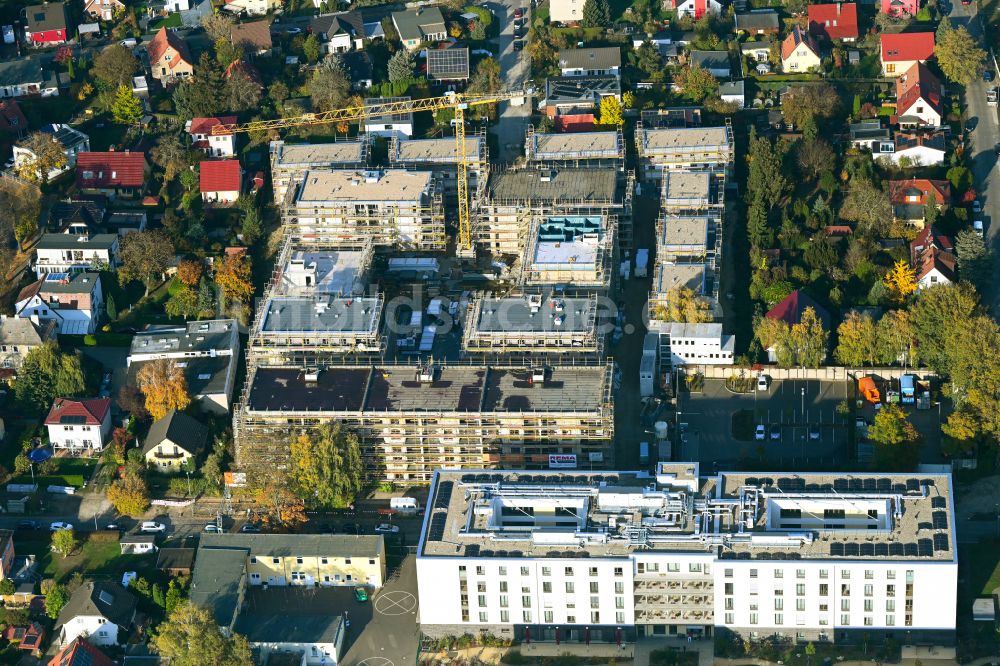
(456, 101)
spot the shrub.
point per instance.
(90, 340)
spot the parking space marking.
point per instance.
(396, 602)
(376, 661)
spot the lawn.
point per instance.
(95, 555)
(71, 472)
(984, 566)
(172, 21)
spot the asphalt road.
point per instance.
(516, 67)
(983, 140)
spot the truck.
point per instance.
(923, 394)
(991, 96)
(641, 262)
(868, 390)
(908, 389)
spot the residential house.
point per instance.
(927, 238)
(6, 554)
(112, 173)
(173, 440)
(80, 653)
(693, 8)
(935, 267)
(175, 561)
(395, 125)
(71, 302)
(919, 98)
(124, 222)
(758, 22)
(72, 142)
(918, 149)
(28, 638)
(838, 20)
(213, 145)
(169, 57)
(799, 52)
(594, 61)
(69, 253)
(871, 135)
(715, 62)
(900, 7)
(417, 26)
(254, 37)
(758, 52)
(176, 5)
(18, 337)
(573, 95)
(79, 215)
(99, 611)
(911, 197)
(46, 24)
(900, 51)
(105, 10)
(790, 311)
(220, 181)
(359, 68)
(252, 7)
(306, 623)
(566, 11)
(79, 425)
(13, 124)
(341, 32)
(20, 77)
(733, 92)
(448, 65)
(137, 544)
(207, 351)
(88, 32)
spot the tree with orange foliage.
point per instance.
(189, 272)
(164, 385)
(233, 277)
(278, 507)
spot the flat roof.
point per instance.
(785, 516)
(298, 545)
(291, 615)
(687, 231)
(329, 271)
(562, 185)
(681, 187)
(320, 313)
(194, 336)
(570, 239)
(356, 186)
(435, 150)
(499, 316)
(670, 276)
(454, 388)
(577, 145)
(317, 154)
(670, 139)
(75, 242)
(708, 331)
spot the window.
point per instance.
(890, 590)
(347, 561)
(481, 571)
(504, 601)
(547, 616)
(526, 601)
(845, 619)
(275, 560)
(568, 571)
(868, 605)
(547, 586)
(845, 604)
(778, 573)
(299, 560)
(729, 603)
(323, 560)
(571, 619)
(619, 587)
(869, 574)
(800, 589)
(845, 574)
(753, 573)
(779, 604)
(595, 602)
(753, 618)
(729, 588)
(845, 590)
(694, 568)
(619, 602)
(483, 616)
(729, 573)
(890, 620)
(728, 618)
(891, 575)
(824, 573)
(800, 573)
(868, 621)
(482, 600)
(253, 560)
(800, 604)
(593, 571)
(824, 590)
(524, 571)
(593, 587)
(620, 618)
(673, 567)
(570, 588)
(503, 570)
(526, 616)
(480, 586)
(868, 590)
(546, 571)
(503, 586)
(619, 572)
(595, 617)
(779, 618)
(890, 605)
(505, 616)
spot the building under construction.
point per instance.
(316, 310)
(664, 149)
(574, 253)
(573, 150)
(516, 201)
(413, 420)
(395, 209)
(291, 161)
(534, 328)
(440, 157)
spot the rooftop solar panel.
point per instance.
(941, 542)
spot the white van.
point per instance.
(404, 504)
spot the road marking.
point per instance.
(396, 602)
(376, 661)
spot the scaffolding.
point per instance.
(440, 156)
(571, 150)
(684, 149)
(411, 220)
(573, 252)
(412, 420)
(290, 162)
(530, 328)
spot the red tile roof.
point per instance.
(906, 46)
(834, 21)
(93, 411)
(796, 37)
(220, 176)
(900, 191)
(581, 122)
(205, 125)
(930, 237)
(915, 84)
(790, 310)
(932, 258)
(165, 39)
(80, 652)
(111, 169)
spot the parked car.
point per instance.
(386, 528)
(763, 382)
(518, 45)
(250, 528)
(55, 527)
(151, 527)
(760, 434)
(988, 75)
(518, 13)
(775, 432)
(977, 207)
(361, 594)
(977, 226)
(814, 432)
(212, 528)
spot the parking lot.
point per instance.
(383, 631)
(789, 406)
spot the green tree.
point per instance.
(809, 103)
(241, 92)
(815, 156)
(56, 597)
(111, 309)
(401, 66)
(895, 340)
(226, 52)
(175, 595)
(933, 315)
(127, 109)
(7, 587)
(183, 303)
(975, 263)
(145, 256)
(696, 83)
(809, 339)
(325, 467)
(329, 86)
(311, 48)
(129, 494)
(46, 374)
(856, 341)
(596, 14)
(765, 177)
(959, 56)
(115, 66)
(158, 596)
(960, 178)
(64, 542)
(611, 112)
(170, 155)
(46, 155)
(198, 96)
(868, 206)
(190, 636)
(758, 230)
(896, 440)
(206, 296)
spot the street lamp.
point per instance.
(188, 473)
(803, 404)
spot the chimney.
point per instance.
(838, 9)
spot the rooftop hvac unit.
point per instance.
(311, 374)
(538, 375)
(372, 176)
(534, 302)
(547, 176)
(426, 374)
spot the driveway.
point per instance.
(983, 139)
(384, 632)
(513, 122)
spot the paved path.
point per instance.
(516, 68)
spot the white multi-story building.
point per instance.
(79, 425)
(608, 556)
(663, 149)
(69, 253)
(693, 344)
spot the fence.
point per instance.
(832, 373)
